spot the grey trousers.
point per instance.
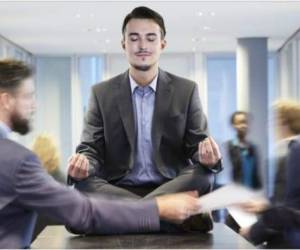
(194, 177)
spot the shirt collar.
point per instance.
(133, 83)
(4, 129)
(282, 146)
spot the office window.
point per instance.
(221, 98)
(9, 50)
(298, 67)
(90, 72)
(2, 49)
(221, 90)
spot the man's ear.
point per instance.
(6, 100)
(163, 44)
(123, 43)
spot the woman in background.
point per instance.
(45, 148)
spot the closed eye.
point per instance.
(151, 38)
(133, 37)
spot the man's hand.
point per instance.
(255, 206)
(209, 152)
(78, 166)
(178, 207)
(245, 232)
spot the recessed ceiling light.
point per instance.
(194, 39)
(212, 13)
(203, 39)
(98, 29)
(92, 15)
(206, 28)
(78, 15)
(194, 49)
(200, 13)
(107, 41)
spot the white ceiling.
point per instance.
(71, 27)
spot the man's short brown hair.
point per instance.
(145, 13)
(12, 72)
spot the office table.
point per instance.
(57, 237)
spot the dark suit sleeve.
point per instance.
(38, 191)
(92, 139)
(273, 223)
(292, 194)
(196, 129)
(281, 217)
(261, 232)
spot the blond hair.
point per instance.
(289, 112)
(45, 148)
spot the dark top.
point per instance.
(245, 164)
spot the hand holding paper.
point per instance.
(233, 197)
(226, 196)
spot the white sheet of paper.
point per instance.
(225, 197)
(242, 218)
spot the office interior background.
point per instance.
(243, 54)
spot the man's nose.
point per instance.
(143, 44)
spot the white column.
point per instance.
(200, 78)
(76, 104)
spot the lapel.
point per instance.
(124, 101)
(163, 98)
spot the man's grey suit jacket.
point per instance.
(26, 188)
(109, 137)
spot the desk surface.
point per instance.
(53, 237)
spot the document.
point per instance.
(241, 217)
(226, 196)
(229, 197)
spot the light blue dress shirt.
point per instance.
(144, 171)
(4, 130)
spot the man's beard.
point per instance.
(20, 125)
(142, 67)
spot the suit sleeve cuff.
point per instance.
(150, 221)
(218, 167)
